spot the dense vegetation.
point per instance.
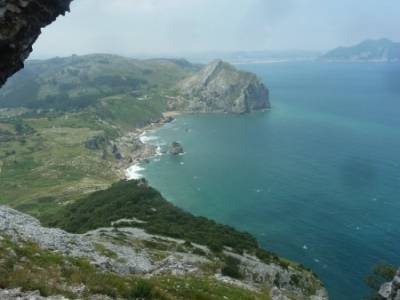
(128, 199)
(380, 274)
(135, 199)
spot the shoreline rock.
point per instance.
(176, 148)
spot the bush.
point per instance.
(380, 274)
(231, 267)
(142, 290)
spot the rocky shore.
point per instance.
(133, 149)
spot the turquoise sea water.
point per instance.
(316, 179)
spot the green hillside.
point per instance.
(77, 82)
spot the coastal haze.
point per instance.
(183, 28)
(150, 133)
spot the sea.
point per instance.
(316, 179)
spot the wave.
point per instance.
(134, 172)
(147, 138)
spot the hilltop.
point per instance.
(382, 50)
(156, 85)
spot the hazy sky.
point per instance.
(132, 27)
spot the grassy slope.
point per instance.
(26, 266)
(72, 100)
(78, 82)
(49, 162)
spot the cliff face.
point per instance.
(391, 290)
(20, 25)
(220, 87)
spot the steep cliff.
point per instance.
(20, 25)
(221, 87)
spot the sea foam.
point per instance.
(134, 172)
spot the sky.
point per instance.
(136, 27)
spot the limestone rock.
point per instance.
(17, 294)
(219, 87)
(131, 256)
(391, 290)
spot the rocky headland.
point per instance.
(219, 87)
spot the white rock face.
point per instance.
(391, 290)
(272, 274)
(16, 294)
(21, 226)
(124, 259)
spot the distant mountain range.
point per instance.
(382, 50)
(241, 57)
(261, 56)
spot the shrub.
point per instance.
(231, 267)
(142, 290)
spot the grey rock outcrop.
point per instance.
(99, 246)
(17, 294)
(20, 226)
(279, 280)
(391, 290)
(222, 88)
(20, 25)
(131, 256)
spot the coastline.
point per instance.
(143, 150)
